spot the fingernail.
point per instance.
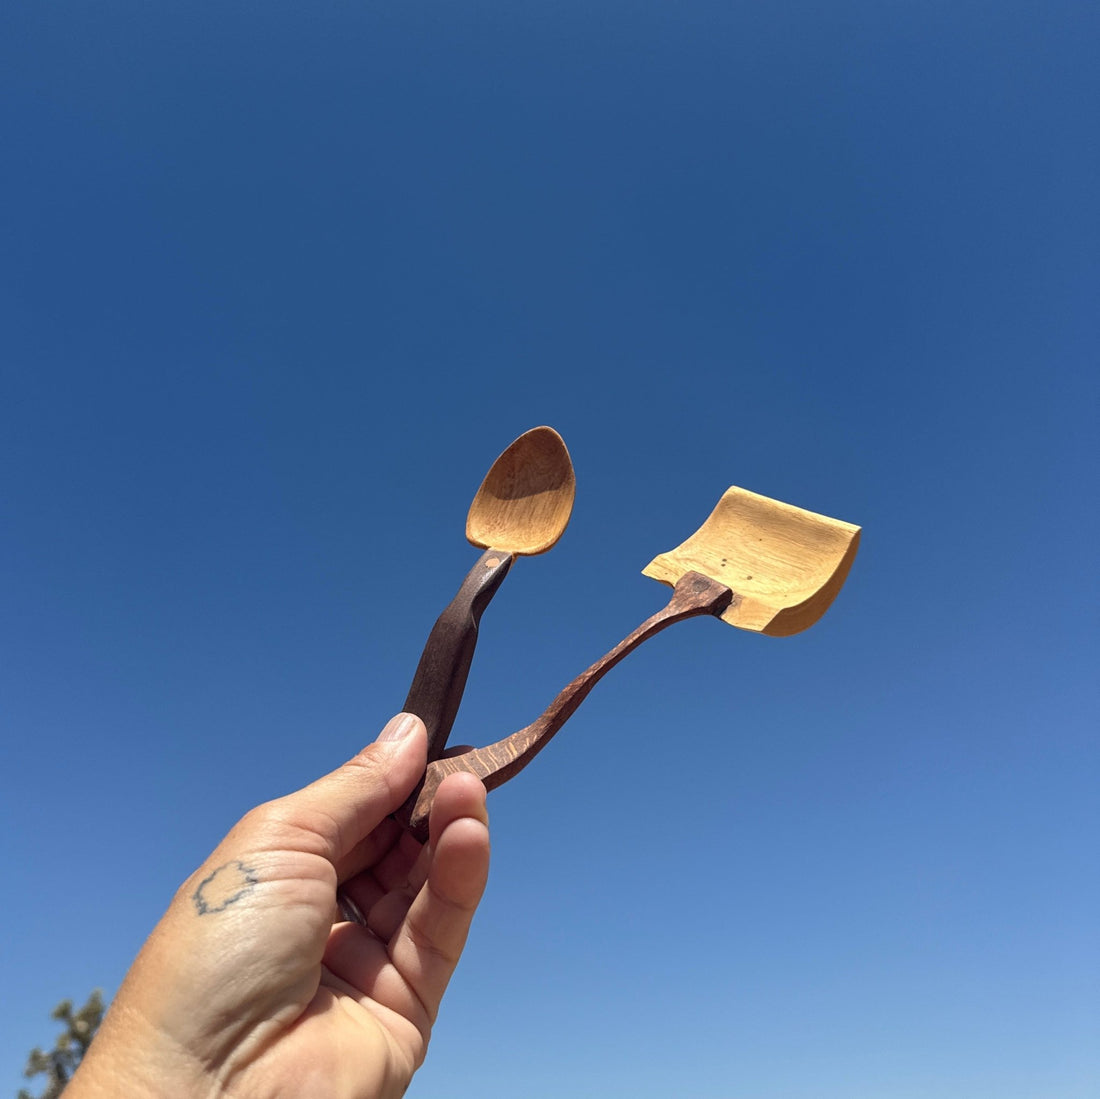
(397, 728)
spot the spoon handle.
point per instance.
(440, 677)
(693, 595)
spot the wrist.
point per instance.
(130, 1057)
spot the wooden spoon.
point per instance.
(521, 509)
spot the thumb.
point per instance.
(337, 812)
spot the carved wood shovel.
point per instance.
(756, 563)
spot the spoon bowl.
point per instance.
(524, 503)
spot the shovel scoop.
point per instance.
(756, 563)
(784, 565)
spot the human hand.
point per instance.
(247, 989)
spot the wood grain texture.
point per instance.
(525, 501)
(440, 678)
(786, 564)
(693, 595)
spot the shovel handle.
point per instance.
(440, 678)
(693, 595)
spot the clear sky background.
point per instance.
(279, 281)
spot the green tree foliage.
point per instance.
(61, 1062)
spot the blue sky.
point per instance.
(278, 282)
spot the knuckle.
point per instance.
(428, 947)
(266, 822)
(367, 768)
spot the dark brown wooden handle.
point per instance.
(693, 595)
(440, 678)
